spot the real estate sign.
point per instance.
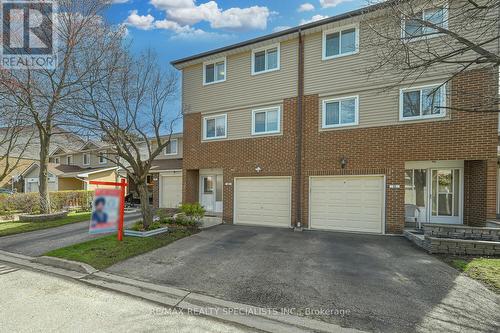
(105, 211)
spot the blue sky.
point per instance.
(180, 28)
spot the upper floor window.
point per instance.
(340, 42)
(340, 112)
(215, 127)
(266, 121)
(214, 71)
(102, 157)
(171, 148)
(69, 159)
(422, 102)
(266, 59)
(57, 160)
(413, 28)
(86, 159)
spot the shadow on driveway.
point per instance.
(380, 283)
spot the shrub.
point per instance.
(193, 211)
(29, 202)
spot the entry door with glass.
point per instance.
(208, 193)
(446, 196)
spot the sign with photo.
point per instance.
(105, 211)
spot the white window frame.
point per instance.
(339, 100)
(423, 37)
(69, 160)
(213, 62)
(266, 48)
(340, 29)
(88, 159)
(176, 148)
(205, 127)
(421, 117)
(57, 160)
(100, 155)
(266, 110)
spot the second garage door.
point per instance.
(353, 203)
(262, 201)
(171, 191)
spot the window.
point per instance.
(422, 102)
(266, 121)
(215, 127)
(340, 42)
(266, 59)
(413, 29)
(340, 112)
(57, 160)
(69, 160)
(102, 157)
(171, 148)
(214, 72)
(86, 159)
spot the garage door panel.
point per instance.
(171, 191)
(350, 203)
(262, 201)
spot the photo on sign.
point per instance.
(105, 211)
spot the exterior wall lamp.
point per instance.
(343, 162)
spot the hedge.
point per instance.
(30, 202)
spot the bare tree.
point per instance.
(436, 37)
(44, 95)
(129, 108)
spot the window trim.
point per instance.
(265, 48)
(100, 154)
(205, 138)
(267, 109)
(176, 148)
(340, 99)
(69, 160)
(88, 159)
(445, 7)
(422, 117)
(340, 29)
(213, 62)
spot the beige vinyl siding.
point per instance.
(239, 123)
(105, 176)
(94, 159)
(241, 88)
(180, 147)
(70, 184)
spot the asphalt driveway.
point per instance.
(372, 283)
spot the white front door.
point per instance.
(207, 189)
(445, 195)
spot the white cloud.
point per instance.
(331, 3)
(186, 12)
(143, 22)
(281, 28)
(313, 19)
(305, 7)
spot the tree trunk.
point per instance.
(147, 212)
(43, 176)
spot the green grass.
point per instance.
(106, 251)
(11, 228)
(482, 269)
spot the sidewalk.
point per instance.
(183, 302)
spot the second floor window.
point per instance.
(57, 160)
(266, 59)
(214, 72)
(102, 158)
(422, 102)
(86, 159)
(215, 127)
(413, 28)
(340, 112)
(266, 121)
(340, 42)
(69, 160)
(171, 148)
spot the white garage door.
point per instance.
(262, 201)
(353, 203)
(171, 191)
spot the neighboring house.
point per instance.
(12, 179)
(275, 141)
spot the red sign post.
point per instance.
(123, 185)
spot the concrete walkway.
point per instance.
(36, 243)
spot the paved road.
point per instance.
(371, 283)
(36, 243)
(36, 302)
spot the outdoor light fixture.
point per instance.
(258, 169)
(343, 162)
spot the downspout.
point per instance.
(298, 161)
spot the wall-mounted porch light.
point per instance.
(343, 162)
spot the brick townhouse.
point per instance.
(285, 130)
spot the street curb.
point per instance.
(65, 264)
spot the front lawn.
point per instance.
(106, 251)
(482, 269)
(11, 228)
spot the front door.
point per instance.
(207, 187)
(445, 195)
